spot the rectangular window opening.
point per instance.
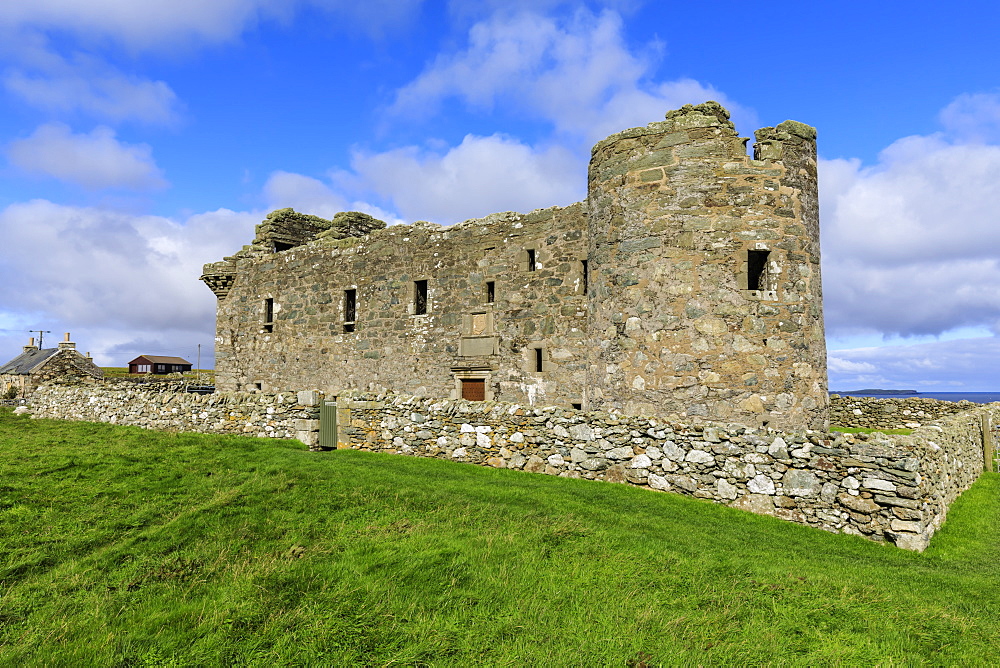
(279, 246)
(757, 269)
(577, 407)
(419, 297)
(269, 314)
(491, 292)
(539, 359)
(350, 309)
(585, 273)
(531, 259)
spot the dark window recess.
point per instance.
(577, 407)
(757, 269)
(539, 361)
(419, 297)
(531, 259)
(474, 389)
(278, 246)
(269, 315)
(491, 292)
(350, 309)
(585, 273)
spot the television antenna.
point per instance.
(40, 332)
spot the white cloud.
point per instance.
(95, 89)
(482, 175)
(970, 365)
(111, 277)
(840, 365)
(52, 45)
(302, 193)
(578, 74)
(95, 161)
(309, 195)
(910, 245)
(139, 24)
(170, 23)
(973, 117)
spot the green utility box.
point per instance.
(328, 424)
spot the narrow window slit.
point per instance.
(269, 314)
(757, 269)
(350, 309)
(419, 297)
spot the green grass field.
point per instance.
(123, 547)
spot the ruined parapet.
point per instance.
(348, 224)
(284, 229)
(287, 228)
(705, 297)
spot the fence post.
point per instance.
(988, 464)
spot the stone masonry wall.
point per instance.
(886, 488)
(162, 406)
(891, 413)
(467, 331)
(707, 295)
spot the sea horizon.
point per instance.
(975, 397)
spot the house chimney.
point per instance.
(66, 344)
(31, 345)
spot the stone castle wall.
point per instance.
(686, 286)
(885, 488)
(464, 333)
(681, 321)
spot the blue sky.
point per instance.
(140, 140)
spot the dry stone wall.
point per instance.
(891, 413)
(894, 489)
(885, 488)
(163, 406)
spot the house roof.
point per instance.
(160, 359)
(28, 361)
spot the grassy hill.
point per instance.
(123, 547)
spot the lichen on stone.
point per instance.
(351, 224)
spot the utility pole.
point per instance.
(40, 332)
(199, 364)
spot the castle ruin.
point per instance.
(687, 285)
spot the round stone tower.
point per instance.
(705, 298)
